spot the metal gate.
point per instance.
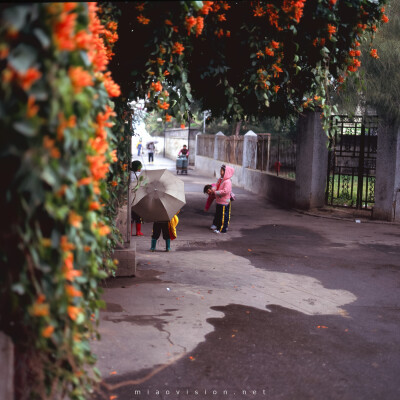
(352, 162)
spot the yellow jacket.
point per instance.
(172, 227)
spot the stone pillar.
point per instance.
(250, 150)
(311, 162)
(387, 185)
(217, 144)
(6, 367)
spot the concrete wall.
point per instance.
(176, 138)
(276, 189)
(387, 186)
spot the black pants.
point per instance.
(222, 217)
(159, 227)
(151, 157)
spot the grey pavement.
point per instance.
(286, 305)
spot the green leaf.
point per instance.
(18, 288)
(17, 16)
(42, 37)
(22, 57)
(25, 128)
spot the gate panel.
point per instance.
(352, 162)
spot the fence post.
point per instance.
(250, 150)
(217, 144)
(387, 186)
(311, 161)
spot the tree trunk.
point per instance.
(236, 128)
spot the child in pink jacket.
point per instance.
(221, 192)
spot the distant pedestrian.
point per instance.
(168, 229)
(151, 147)
(222, 193)
(184, 151)
(136, 167)
(139, 148)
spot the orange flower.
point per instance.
(199, 25)
(98, 166)
(114, 155)
(182, 126)
(4, 51)
(103, 229)
(277, 70)
(40, 308)
(83, 40)
(48, 331)
(75, 219)
(94, 205)
(274, 44)
(140, 7)
(162, 49)
(207, 6)
(374, 53)
(163, 106)
(114, 183)
(276, 88)
(166, 73)
(113, 89)
(177, 48)
(160, 61)
(331, 30)
(86, 248)
(85, 181)
(228, 34)
(332, 2)
(65, 123)
(259, 54)
(258, 11)
(73, 312)
(32, 109)
(156, 86)
(142, 19)
(65, 245)
(26, 80)
(68, 267)
(341, 79)
(72, 292)
(167, 118)
(168, 22)
(316, 97)
(385, 19)
(79, 78)
(49, 145)
(190, 22)
(221, 17)
(64, 30)
(269, 52)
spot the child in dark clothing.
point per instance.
(168, 230)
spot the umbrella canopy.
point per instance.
(160, 197)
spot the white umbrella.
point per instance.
(160, 196)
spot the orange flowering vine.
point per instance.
(178, 48)
(374, 53)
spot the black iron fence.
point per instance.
(352, 162)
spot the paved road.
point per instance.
(284, 306)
